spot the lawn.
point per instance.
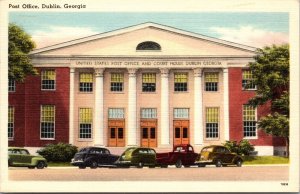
(251, 160)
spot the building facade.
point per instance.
(146, 85)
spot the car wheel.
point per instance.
(82, 167)
(140, 165)
(239, 163)
(201, 165)
(31, 167)
(40, 165)
(218, 163)
(178, 164)
(93, 164)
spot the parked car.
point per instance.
(137, 156)
(219, 156)
(20, 157)
(94, 157)
(181, 155)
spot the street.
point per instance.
(209, 173)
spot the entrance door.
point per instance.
(181, 132)
(149, 133)
(116, 133)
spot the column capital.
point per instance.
(132, 72)
(197, 72)
(164, 72)
(72, 69)
(225, 70)
(99, 72)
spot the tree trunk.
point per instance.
(287, 145)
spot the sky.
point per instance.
(256, 29)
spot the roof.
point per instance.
(142, 26)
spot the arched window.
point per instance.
(148, 45)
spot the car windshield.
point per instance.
(83, 150)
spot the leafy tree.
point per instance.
(271, 75)
(19, 45)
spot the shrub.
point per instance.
(60, 152)
(242, 148)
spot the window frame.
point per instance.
(41, 115)
(153, 111)
(54, 84)
(109, 116)
(243, 85)
(81, 88)
(150, 73)
(11, 138)
(111, 82)
(255, 112)
(85, 123)
(178, 118)
(217, 123)
(11, 85)
(187, 82)
(206, 82)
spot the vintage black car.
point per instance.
(94, 157)
(218, 155)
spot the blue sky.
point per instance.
(254, 29)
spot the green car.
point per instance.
(137, 156)
(20, 157)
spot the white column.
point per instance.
(198, 121)
(164, 107)
(226, 103)
(131, 124)
(98, 117)
(71, 106)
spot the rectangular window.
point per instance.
(48, 79)
(116, 82)
(246, 82)
(249, 121)
(211, 81)
(11, 85)
(11, 113)
(86, 82)
(47, 121)
(181, 113)
(212, 122)
(116, 113)
(148, 113)
(149, 82)
(85, 123)
(180, 82)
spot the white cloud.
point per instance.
(58, 34)
(251, 36)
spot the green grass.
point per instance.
(59, 164)
(251, 160)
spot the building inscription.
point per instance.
(145, 64)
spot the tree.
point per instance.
(271, 75)
(19, 45)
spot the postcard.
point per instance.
(149, 96)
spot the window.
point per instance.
(249, 121)
(48, 79)
(211, 81)
(181, 113)
(247, 80)
(148, 113)
(148, 45)
(116, 82)
(212, 122)
(10, 122)
(85, 123)
(116, 113)
(86, 82)
(11, 85)
(47, 121)
(180, 82)
(149, 82)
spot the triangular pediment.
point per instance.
(124, 42)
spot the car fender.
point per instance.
(236, 158)
(35, 160)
